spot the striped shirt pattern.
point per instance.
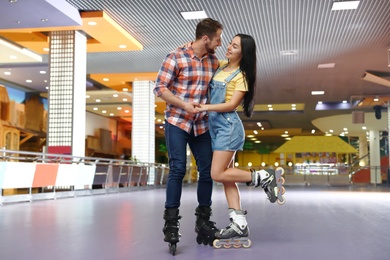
(188, 78)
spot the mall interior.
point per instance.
(83, 158)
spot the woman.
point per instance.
(234, 84)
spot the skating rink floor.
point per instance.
(315, 223)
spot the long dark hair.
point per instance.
(248, 69)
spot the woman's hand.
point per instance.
(201, 108)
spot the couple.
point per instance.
(211, 127)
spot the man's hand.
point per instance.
(191, 108)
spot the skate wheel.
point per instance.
(172, 249)
(237, 246)
(227, 246)
(248, 244)
(282, 190)
(281, 201)
(281, 180)
(215, 244)
(281, 169)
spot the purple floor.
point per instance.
(315, 223)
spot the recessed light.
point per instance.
(125, 99)
(326, 66)
(28, 80)
(289, 52)
(115, 95)
(44, 20)
(345, 5)
(313, 131)
(119, 108)
(97, 100)
(95, 108)
(92, 23)
(42, 72)
(122, 46)
(318, 92)
(127, 111)
(111, 114)
(106, 79)
(7, 73)
(194, 15)
(104, 111)
(46, 49)
(319, 102)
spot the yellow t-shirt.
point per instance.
(237, 83)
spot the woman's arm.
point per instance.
(224, 107)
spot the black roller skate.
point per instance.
(272, 183)
(204, 227)
(233, 235)
(171, 228)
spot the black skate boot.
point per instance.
(271, 181)
(204, 227)
(234, 234)
(171, 228)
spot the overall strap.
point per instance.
(231, 76)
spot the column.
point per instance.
(67, 90)
(363, 149)
(375, 170)
(143, 125)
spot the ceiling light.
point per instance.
(125, 89)
(111, 114)
(326, 66)
(95, 108)
(28, 80)
(97, 100)
(44, 20)
(318, 92)
(345, 5)
(345, 101)
(42, 72)
(7, 73)
(125, 99)
(92, 23)
(104, 111)
(289, 52)
(46, 49)
(119, 108)
(106, 79)
(115, 95)
(122, 46)
(313, 131)
(194, 15)
(319, 102)
(127, 111)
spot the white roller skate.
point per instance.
(272, 183)
(235, 234)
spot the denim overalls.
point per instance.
(226, 129)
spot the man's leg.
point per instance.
(206, 230)
(176, 140)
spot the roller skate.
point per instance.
(171, 228)
(272, 183)
(204, 228)
(235, 235)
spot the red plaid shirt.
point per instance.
(188, 78)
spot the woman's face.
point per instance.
(233, 52)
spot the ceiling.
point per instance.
(294, 38)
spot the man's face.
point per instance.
(212, 44)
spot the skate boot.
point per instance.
(204, 227)
(236, 234)
(272, 183)
(171, 228)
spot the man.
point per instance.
(183, 82)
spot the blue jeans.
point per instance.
(177, 140)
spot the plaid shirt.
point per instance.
(188, 78)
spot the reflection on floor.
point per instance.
(315, 223)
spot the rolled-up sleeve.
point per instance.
(165, 75)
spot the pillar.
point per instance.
(66, 95)
(143, 125)
(363, 149)
(375, 170)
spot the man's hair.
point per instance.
(207, 27)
